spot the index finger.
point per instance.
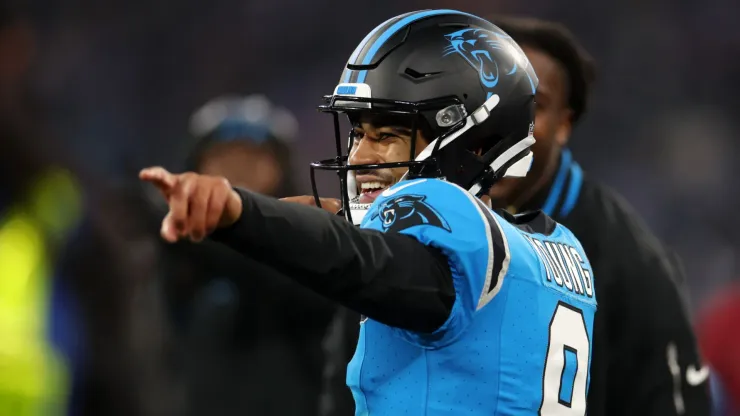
(159, 176)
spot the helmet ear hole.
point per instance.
(482, 145)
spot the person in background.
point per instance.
(645, 357)
(72, 340)
(246, 140)
(36, 375)
(250, 339)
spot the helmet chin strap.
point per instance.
(518, 169)
(357, 210)
(351, 185)
(521, 167)
(358, 213)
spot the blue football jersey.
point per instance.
(518, 339)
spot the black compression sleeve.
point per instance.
(391, 278)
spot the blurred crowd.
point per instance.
(90, 92)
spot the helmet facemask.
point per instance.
(450, 121)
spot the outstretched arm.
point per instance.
(390, 277)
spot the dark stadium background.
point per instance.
(119, 80)
(662, 127)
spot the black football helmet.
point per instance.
(461, 79)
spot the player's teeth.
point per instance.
(372, 185)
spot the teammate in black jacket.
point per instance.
(645, 359)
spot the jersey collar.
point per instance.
(565, 188)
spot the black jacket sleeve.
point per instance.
(673, 381)
(391, 278)
(645, 359)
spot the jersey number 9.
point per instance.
(566, 365)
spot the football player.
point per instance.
(465, 310)
(643, 363)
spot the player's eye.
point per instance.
(359, 135)
(356, 135)
(385, 136)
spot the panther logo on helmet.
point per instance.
(476, 45)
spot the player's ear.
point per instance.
(562, 134)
